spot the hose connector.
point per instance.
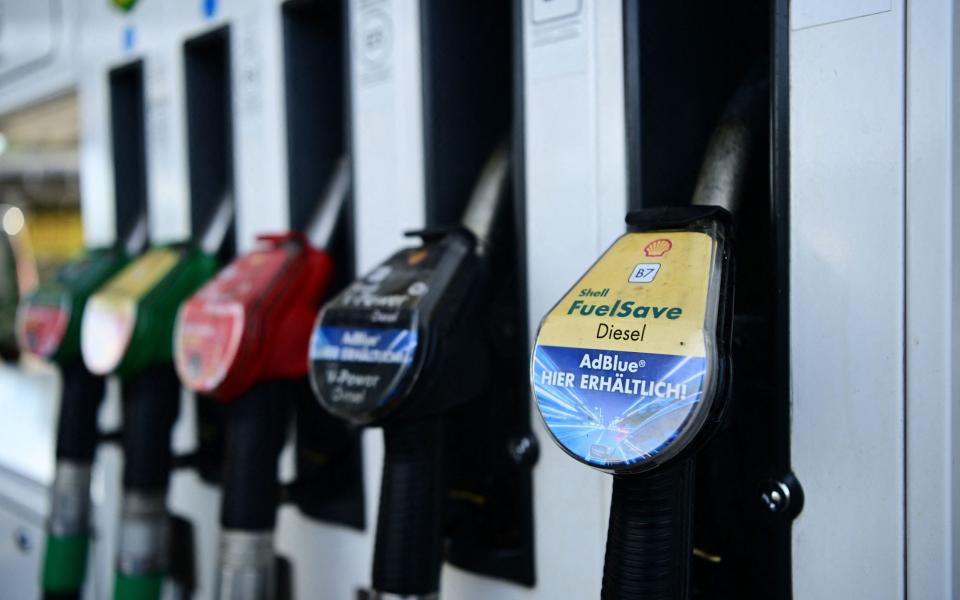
(247, 566)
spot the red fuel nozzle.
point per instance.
(252, 322)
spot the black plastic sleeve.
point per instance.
(80, 398)
(648, 540)
(256, 431)
(409, 548)
(151, 404)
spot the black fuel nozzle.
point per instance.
(399, 348)
(48, 326)
(631, 370)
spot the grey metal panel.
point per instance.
(932, 300)
(847, 289)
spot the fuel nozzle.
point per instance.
(125, 331)
(631, 369)
(242, 339)
(398, 348)
(48, 326)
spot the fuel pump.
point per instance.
(631, 369)
(398, 349)
(127, 330)
(48, 326)
(242, 339)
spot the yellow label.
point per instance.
(647, 293)
(110, 315)
(139, 277)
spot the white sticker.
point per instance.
(556, 38)
(644, 272)
(374, 42)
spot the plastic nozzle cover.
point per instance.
(323, 222)
(216, 232)
(487, 197)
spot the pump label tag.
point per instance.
(620, 363)
(212, 322)
(111, 314)
(360, 365)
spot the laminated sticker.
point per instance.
(42, 324)
(110, 316)
(620, 364)
(212, 323)
(365, 342)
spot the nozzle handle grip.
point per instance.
(80, 397)
(256, 431)
(409, 542)
(151, 405)
(648, 540)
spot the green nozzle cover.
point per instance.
(65, 563)
(137, 587)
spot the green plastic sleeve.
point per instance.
(65, 563)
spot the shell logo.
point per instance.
(416, 257)
(658, 247)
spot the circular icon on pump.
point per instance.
(375, 38)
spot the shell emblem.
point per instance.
(658, 247)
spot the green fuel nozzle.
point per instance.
(127, 330)
(48, 326)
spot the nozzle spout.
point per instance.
(725, 163)
(216, 232)
(488, 194)
(136, 239)
(323, 222)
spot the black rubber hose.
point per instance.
(256, 431)
(80, 399)
(151, 404)
(409, 545)
(648, 540)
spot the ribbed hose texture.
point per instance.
(409, 546)
(648, 540)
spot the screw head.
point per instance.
(776, 496)
(524, 450)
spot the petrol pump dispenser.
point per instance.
(398, 349)
(242, 339)
(127, 331)
(631, 369)
(48, 326)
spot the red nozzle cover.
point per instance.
(253, 321)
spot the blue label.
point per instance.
(614, 408)
(363, 345)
